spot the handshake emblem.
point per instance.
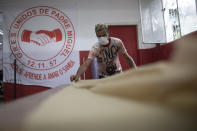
(41, 37)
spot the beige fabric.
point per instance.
(157, 97)
(78, 109)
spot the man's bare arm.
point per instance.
(130, 60)
(81, 70)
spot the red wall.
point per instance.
(21, 91)
(83, 57)
(160, 52)
(166, 51)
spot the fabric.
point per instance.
(107, 56)
(77, 109)
(41, 39)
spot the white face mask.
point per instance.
(103, 40)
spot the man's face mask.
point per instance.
(103, 40)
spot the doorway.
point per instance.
(128, 35)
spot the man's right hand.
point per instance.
(73, 78)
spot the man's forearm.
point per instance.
(130, 61)
(81, 70)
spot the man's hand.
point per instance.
(81, 70)
(74, 78)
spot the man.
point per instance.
(106, 51)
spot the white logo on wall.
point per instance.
(42, 38)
